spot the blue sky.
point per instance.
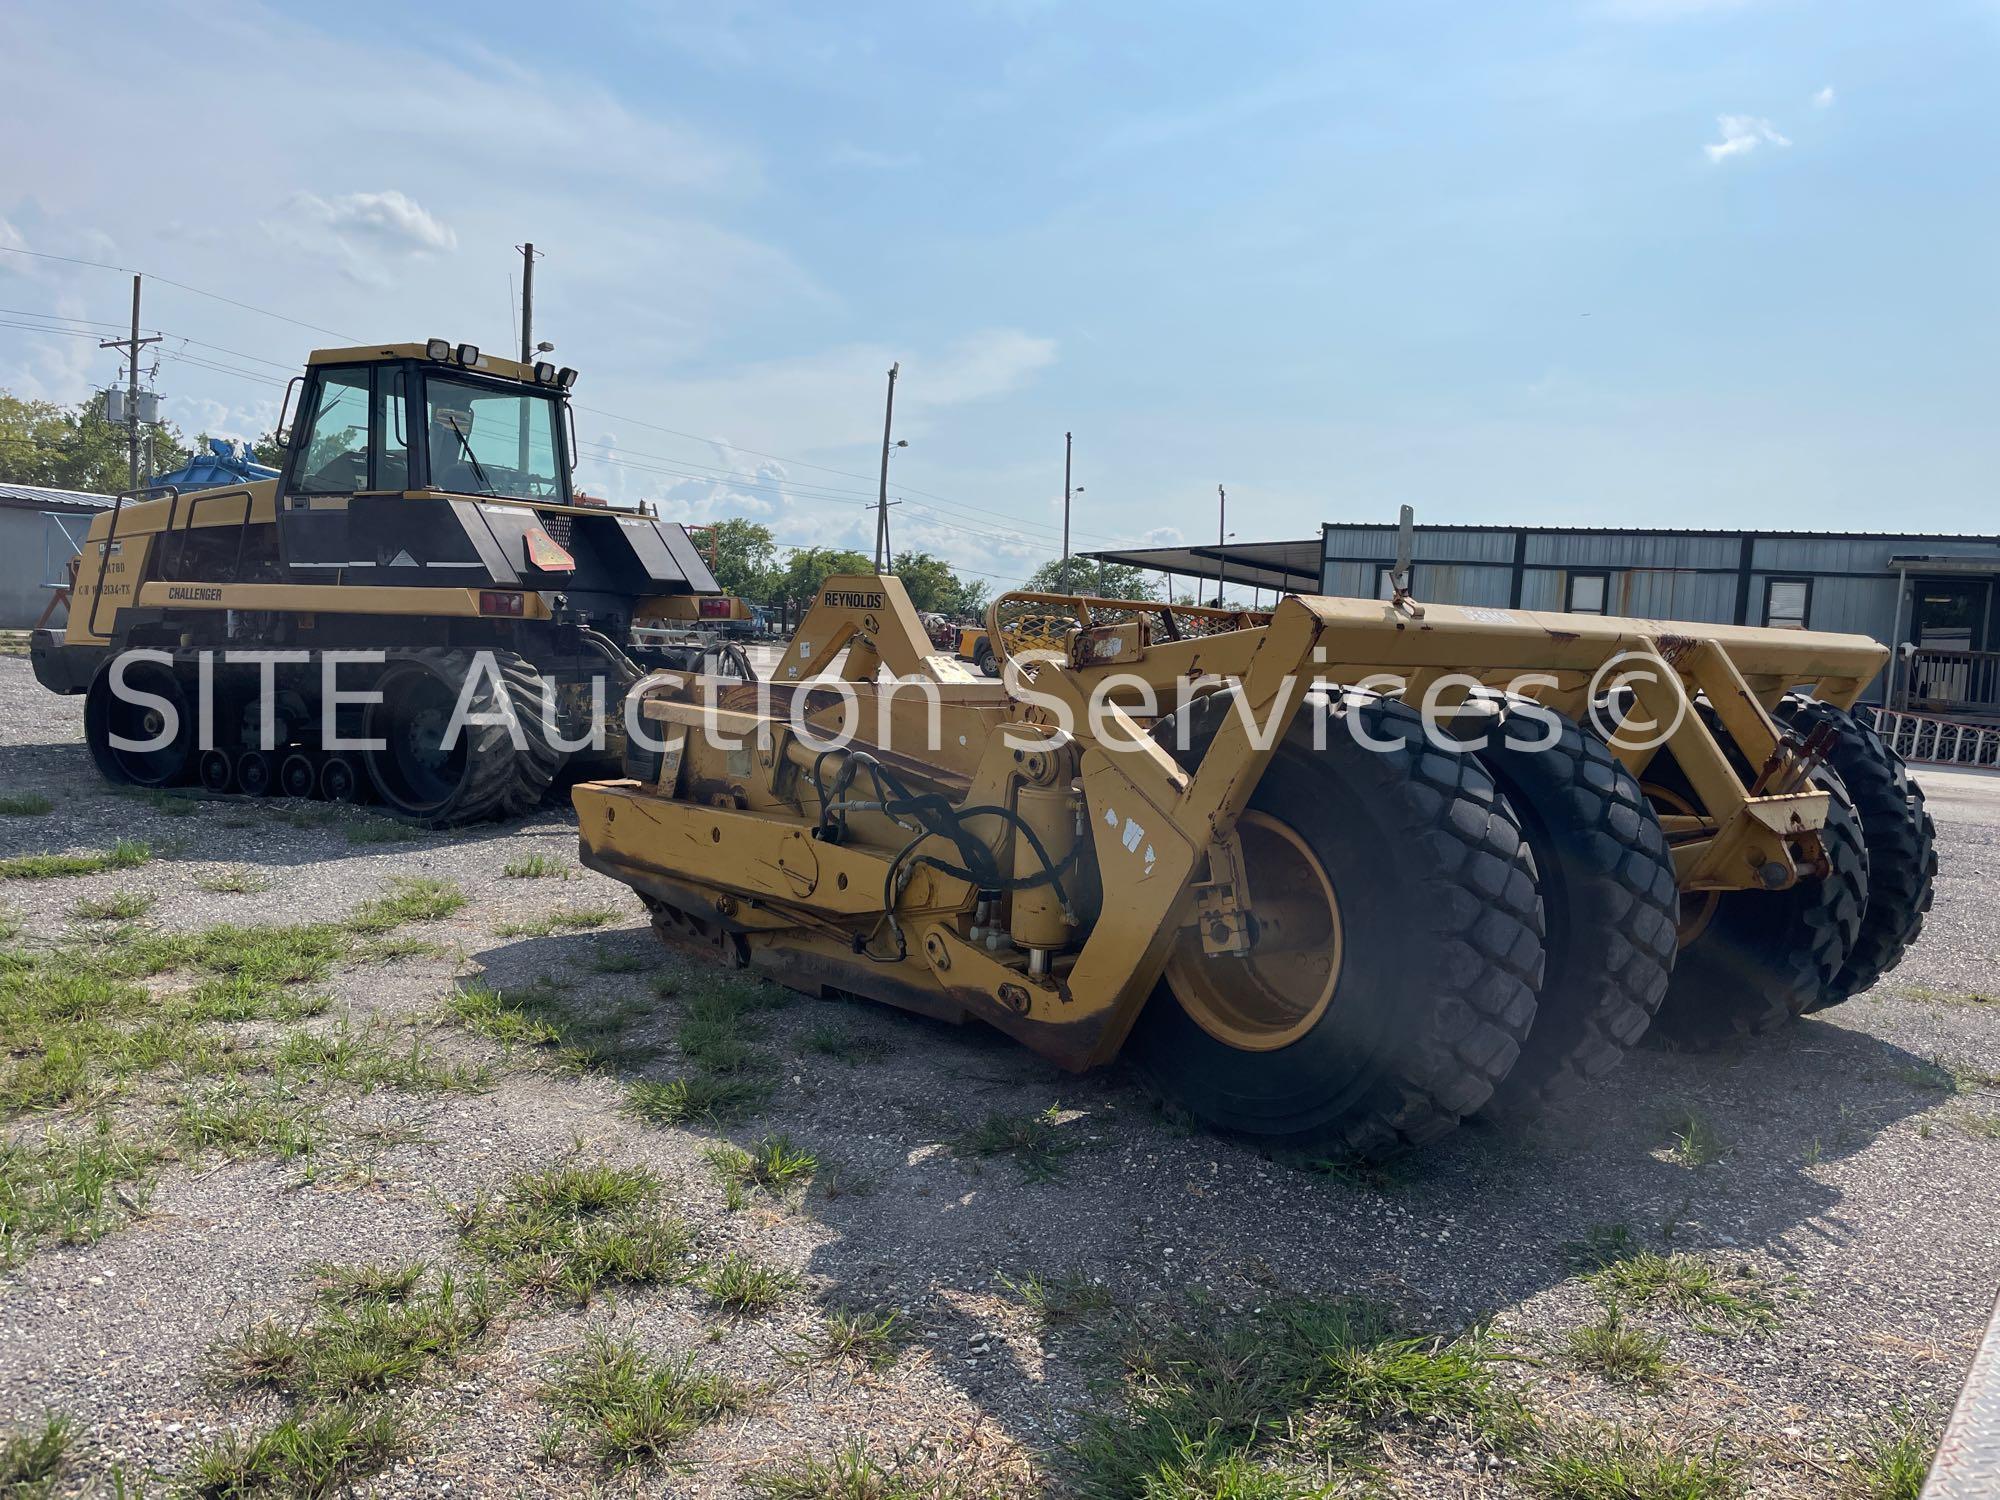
(1682, 262)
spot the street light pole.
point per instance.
(1221, 540)
(882, 498)
(1068, 440)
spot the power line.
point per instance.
(182, 285)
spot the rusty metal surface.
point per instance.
(1968, 1460)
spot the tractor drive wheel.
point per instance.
(1396, 943)
(141, 733)
(1751, 961)
(493, 769)
(984, 659)
(1902, 857)
(1608, 895)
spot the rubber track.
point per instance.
(1603, 859)
(1902, 852)
(503, 782)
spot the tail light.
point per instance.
(502, 602)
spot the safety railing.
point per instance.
(1935, 681)
(1939, 741)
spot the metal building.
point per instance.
(1933, 595)
(41, 529)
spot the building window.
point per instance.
(1587, 593)
(1787, 602)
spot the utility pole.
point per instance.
(1221, 540)
(1068, 440)
(528, 303)
(131, 347)
(882, 498)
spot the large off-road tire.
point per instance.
(1608, 897)
(1755, 960)
(485, 773)
(1901, 840)
(1396, 946)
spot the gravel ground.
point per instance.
(1845, 1180)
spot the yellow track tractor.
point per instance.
(419, 560)
(1335, 878)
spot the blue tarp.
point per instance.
(227, 461)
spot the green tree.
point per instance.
(933, 584)
(1100, 580)
(74, 448)
(745, 558)
(810, 567)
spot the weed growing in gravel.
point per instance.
(830, 1039)
(1979, 1127)
(1062, 1297)
(235, 881)
(1036, 1142)
(119, 906)
(632, 1409)
(32, 1462)
(1600, 1246)
(25, 805)
(239, 1120)
(1622, 1355)
(717, 1098)
(126, 854)
(409, 898)
(318, 1454)
(482, 1009)
(562, 919)
(741, 1284)
(374, 1329)
(160, 799)
(1894, 1458)
(1695, 1142)
(570, 1230)
(1206, 1403)
(775, 1163)
(1713, 1301)
(1599, 1463)
(69, 1188)
(363, 829)
(537, 867)
(867, 1338)
(855, 1473)
(620, 961)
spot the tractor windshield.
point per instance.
(484, 440)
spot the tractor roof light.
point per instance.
(567, 378)
(544, 372)
(468, 354)
(438, 349)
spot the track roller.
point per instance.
(217, 771)
(297, 775)
(256, 771)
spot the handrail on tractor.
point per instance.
(144, 492)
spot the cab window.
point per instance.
(335, 458)
(392, 434)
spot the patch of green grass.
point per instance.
(367, 1060)
(742, 1284)
(562, 919)
(482, 1009)
(1620, 1354)
(855, 1473)
(126, 854)
(1893, 1458)
(409, 898)
(1037, 1143)
(24, 805)
(32, 1463)
(69, 1188)
(1695, 1142)
(318, 1454)
(1598, 1463)
(536, 867)
(775, 1163)
(375, 1328)
(830, 1039)
(1979, 1127)
(714, 1097)
(634, 1410)
(1600, 1246)
(569, 1231)
(119, 906)
(164, 800)
(1325, 1374)
(240, 1120)
(866, 1338)
(1711, 1299)
(620, 961)
(235, 881)
(1062, 1297)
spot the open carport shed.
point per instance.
(1286, 567)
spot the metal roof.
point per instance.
(1290, 566)
(46, 497)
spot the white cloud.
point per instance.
(389, 221)
(1824, 98)
(1164, 536)
(1742, 134)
